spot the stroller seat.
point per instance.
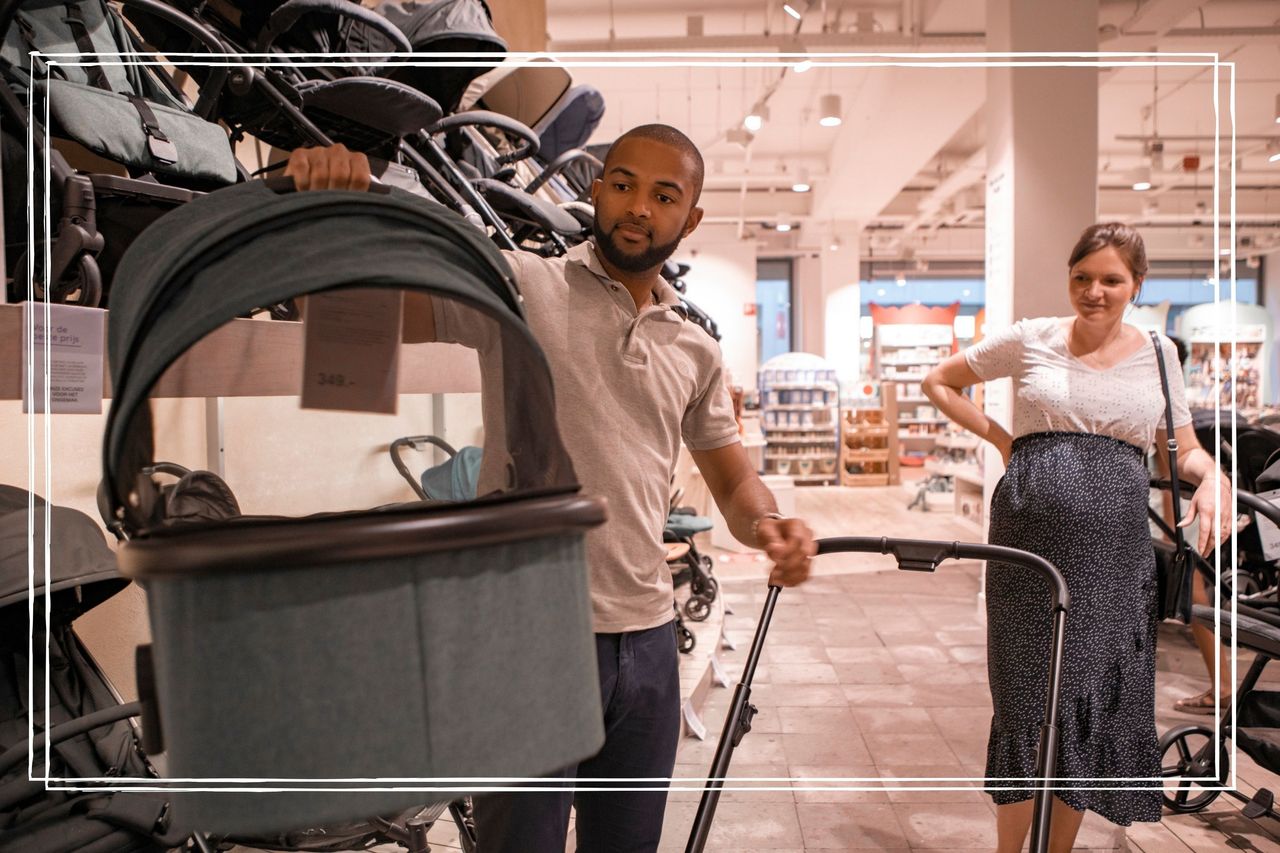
(683, 526)
(519, 204)
(357, 105)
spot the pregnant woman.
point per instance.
(1088, 405)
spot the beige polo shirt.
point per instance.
(630, 386)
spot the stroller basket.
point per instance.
(402, 643)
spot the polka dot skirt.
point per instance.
(1079, 500)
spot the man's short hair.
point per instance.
(668, 135)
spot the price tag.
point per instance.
(72, 337)
(351, 352)
(1267, 531)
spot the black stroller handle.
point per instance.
(414, 441)
(283, 185)
(912, 555)
(559, 164)
(485, 118)
(1244, 500)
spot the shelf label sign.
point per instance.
(63, 345)
(351, 351)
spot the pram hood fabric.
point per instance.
(231, 251)
(78, 552)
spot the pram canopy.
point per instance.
(183, 282)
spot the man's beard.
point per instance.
(651, 257)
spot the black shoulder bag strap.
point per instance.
(84, 43)
(1171, 446)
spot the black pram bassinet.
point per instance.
(402, 643)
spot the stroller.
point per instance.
(919, 556)
(477, 613)
(91, 734)
(141, 150)
(1195, 766)
(692, 567)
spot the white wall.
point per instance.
(722, 281)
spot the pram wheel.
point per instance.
(697, 608)
(1189, 751)
(685, 641)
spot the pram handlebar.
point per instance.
(912, 555)
(1245, 500)
(283, 185)
(485, 118)
(922, 555)
(415, 442)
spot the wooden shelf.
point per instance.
(848, 479)
(866, 455)
(256, 358)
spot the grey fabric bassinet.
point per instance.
(413, 642)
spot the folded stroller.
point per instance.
(270, 635)
(1195, 763)
(89, 735)
(129, 119)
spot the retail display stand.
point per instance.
(799, 400)
(1214, 372)
(905, 352)
(869, 445)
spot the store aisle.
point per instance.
(879, 674)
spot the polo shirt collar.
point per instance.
(584, 254)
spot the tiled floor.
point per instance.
(874, 673)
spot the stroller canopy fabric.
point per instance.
(229, 252)
(78, 552)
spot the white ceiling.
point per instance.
(910, 131)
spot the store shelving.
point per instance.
(799, 400)
(904, 354)
(869, 443)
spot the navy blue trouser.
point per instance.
(640, 693)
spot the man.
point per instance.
(633, 379)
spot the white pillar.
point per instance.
(1042, 167)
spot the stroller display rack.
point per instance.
(912, 555)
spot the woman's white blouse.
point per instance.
(1055, 392)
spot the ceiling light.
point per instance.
(796, 8)
(1140, 178)
(1273, 151)
(835, 244)
(880, 292)
(802, 181)
(784, 227)
(901, 280)
(803, 66)
(757, 117)
(1277, 109)
(965, 292)
(829, 110)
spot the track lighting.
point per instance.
(797, 8)
(829, 110)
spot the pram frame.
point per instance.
(911, 555)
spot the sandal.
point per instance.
(1202, 705)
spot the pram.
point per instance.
(477, 612)
(694, 567)
(911, 555)
(128, 118)
(1191, 755)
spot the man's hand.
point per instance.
(789, 543)
(331, 168)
